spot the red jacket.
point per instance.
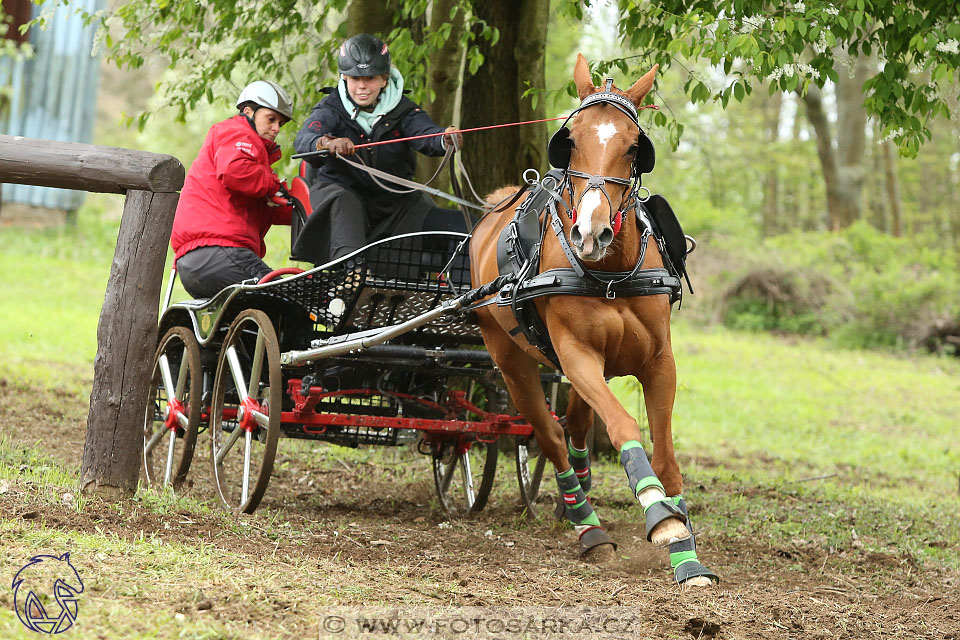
(224, 198)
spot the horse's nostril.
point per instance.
(605, 237)
(576, 238)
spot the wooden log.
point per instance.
(126, 340)
(86, 167)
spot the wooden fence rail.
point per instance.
(127, 332)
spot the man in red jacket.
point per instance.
(231, 196)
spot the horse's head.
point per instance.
(604, 149)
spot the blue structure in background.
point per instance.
(54, 94)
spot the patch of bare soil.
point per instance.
(358, 534)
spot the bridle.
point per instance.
(598, 182)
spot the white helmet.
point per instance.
(267, 94)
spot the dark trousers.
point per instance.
(343, 221)
(205, 271)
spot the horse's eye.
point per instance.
(632, 151)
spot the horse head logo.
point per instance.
(45, 594)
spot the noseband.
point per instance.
(630, 198)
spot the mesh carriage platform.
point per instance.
(380, 285)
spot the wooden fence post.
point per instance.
(126, 340)
(127, 333)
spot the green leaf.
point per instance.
(738, 92)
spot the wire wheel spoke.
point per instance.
(239, 384)
(167, 377)
(225, 449)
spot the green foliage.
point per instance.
(790, 45)
(861, 287)
(218, 47)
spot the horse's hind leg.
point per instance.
(579, 418)
(522, 377)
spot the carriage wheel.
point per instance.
(530, 465)
(451, 470)
(463, 478)
(245, 413)
(173, 411)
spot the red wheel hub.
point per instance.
(174, 409)
(247, 420)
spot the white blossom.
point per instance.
(799, 7)
(788, 70)
(832, 11)
(753, 23)
(896, 133)
(821, 44)
(950, 46)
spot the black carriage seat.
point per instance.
(300, 190)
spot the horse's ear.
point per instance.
(642, 87)
(582, 78)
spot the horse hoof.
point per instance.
(602, 554)
(699, 581)
(669, 531)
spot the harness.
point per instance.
(520, 243)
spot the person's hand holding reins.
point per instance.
(336, 146)
(454, 138)
(282, 197)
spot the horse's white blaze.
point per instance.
(605, 131)
(589, 204)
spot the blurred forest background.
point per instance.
(810, 219)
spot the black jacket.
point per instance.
(405, 120)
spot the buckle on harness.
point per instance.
(557, 225)
(611, 294)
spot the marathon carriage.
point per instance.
(373, 349)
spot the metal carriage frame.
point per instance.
(376, 348)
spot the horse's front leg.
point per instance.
(665, 521)
(659, 383)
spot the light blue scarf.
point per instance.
(389, 98)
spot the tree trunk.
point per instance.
(370, 16)
(893, 189)
(813, 101)
(771, 184)
(842, 164)
(530, 53)
(443, 82)
(498, 157)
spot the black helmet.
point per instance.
(364, 55)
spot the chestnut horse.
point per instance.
(594, 338)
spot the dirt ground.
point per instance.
(352, 524)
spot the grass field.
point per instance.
(806, 466)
